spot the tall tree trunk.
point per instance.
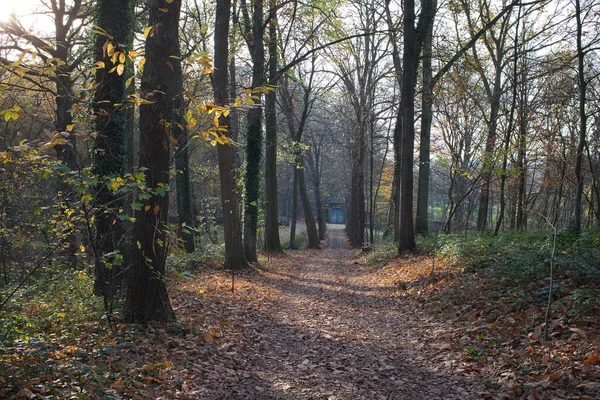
(397, 141)
(509, 129)
(179, 128)
(494, 94)
(396, 189)
(582, 119)
(296, 133)
(421, 222)
(522, 158)
(147, 297)
(272, 242)
(311, 227)
(254, 137)
(292, 244)
(406, 236)
(109, 158)
(321, 220)
(357, 188)
(488, 157)
(315, 164)
(371, 178)
(64, 99)
(234, 253)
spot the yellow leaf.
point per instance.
(110, 49)
(163, 10)
(120, 69)
(100, 64)
(147, 32)
(147, 208)
(128, 82)
(156, 209)
(116, 183)
(192, 123)
(169, 1)
(82, 248)
(70, 127)
(213, 142)
(121, 58)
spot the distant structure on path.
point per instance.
(336, 210)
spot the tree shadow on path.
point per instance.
(321, 332)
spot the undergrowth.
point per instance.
(519, 264)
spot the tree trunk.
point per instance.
(65, 95)
(147, 297)
(509, 129)
(234, 254)
(582, 120)
(357, 189)
(421, 225)
(179, 127)
(406, 235)
(109, 158)
(315, 168)
(272, 242)
(299, 180)
(396, 189)
(311, 227)
(292, 244)
(254, 137)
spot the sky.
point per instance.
(20, 7)
(25, 8)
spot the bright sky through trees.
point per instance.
(29, 13)
(20, 7)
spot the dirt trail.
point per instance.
(320, 330)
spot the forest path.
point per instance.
(312, 325)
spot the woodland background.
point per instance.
(144, 139)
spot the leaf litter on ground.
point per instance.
(320, 324)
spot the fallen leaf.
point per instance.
(591, 360)
(207, 337)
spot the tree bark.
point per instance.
(109, 156)
(294, 220)
(147, 297)
(582, 120)
(254, 137)
(296, 133)
(406, 235)
(234, 254)
(421, 222)
(272, 242)
(179, 125)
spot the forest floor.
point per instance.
(319, 324)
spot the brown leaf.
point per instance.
(591, 360)
(25, 394)
(579, 332)
(207, 337)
